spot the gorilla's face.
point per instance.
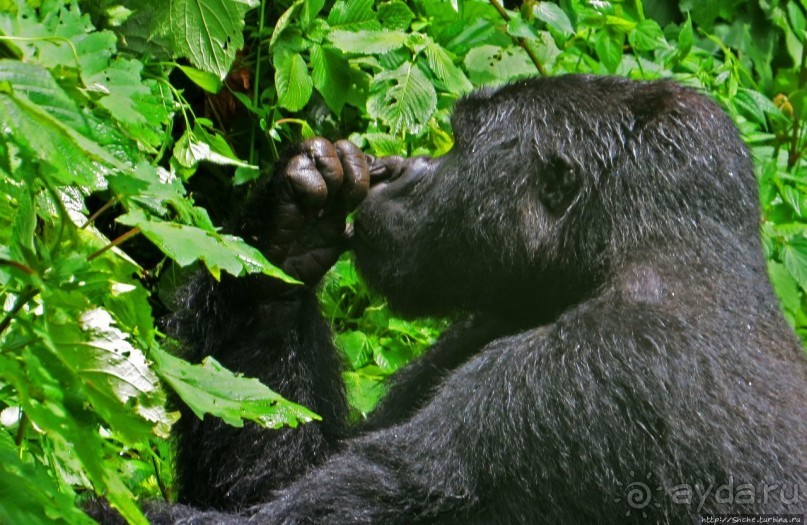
(394, 233)
(437, 235)
(550, 185)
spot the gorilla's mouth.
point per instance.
(385, 169)
(396, 173)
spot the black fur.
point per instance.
(599, 237)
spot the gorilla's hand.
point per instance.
(312, 196)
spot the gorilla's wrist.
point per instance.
(252, 224)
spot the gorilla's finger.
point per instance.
(384, 168)
(287, 220)
(306, 184)
(356, 179)
(327, 162)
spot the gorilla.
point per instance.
(617, 353)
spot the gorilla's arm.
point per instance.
(504, 427)
(412, 387)
(274, 331)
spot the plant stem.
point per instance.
(256, 79)
(111, 202)
(639, 9)
(22, 422)
(22, 299)
(17, 265)
(120, 240)
(794, 154)
(520, 41)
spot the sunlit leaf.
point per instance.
(331, 76)
(209, 32)
(293, 83)
(367, 42)
(493, 64)
(553, 16)
(210, 388)
(408, 103)
(187, 244)
(647, 36)
(204, 79)
(443, 68)
(37, 499)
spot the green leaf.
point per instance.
(205, 80)
(353, 15)
(116, 373)
(755, 105)
(553, 16)
(647, 36)
(311, 9)
(797, 20)
(60, 413)
(609, 50)
(293, 83)
(140, 108)
(36, 498)
(619, 25)
(153, 189)
(787, 289)
(356, 347)
(209, 32)
(187, 244)
(76, 38)
(794, 256)
(70, 157)
(330, 72)
(408, 103)
(686, 38)
(244, 174)
(395, 15)
(283, 23)
(38, 85)
(518, 28)
(117, 15)
(363, 390)
(493, 64)
(384, 144)
(210, 388)
(24, 225)
(367, 42)
(443, 68)
(136, 105)
(189, 151)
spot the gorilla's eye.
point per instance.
(558, 185)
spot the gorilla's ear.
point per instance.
(558, 185)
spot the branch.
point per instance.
(520, 41)
(22, 299)
(120, 240)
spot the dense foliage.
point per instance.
(129, 128)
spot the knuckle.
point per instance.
(345, 147)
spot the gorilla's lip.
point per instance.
(356, 234)
(385, 168)
(397, 174)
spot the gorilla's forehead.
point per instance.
(524, 103)
(559, 110)
(602, 112)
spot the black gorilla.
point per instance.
(597, 241)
